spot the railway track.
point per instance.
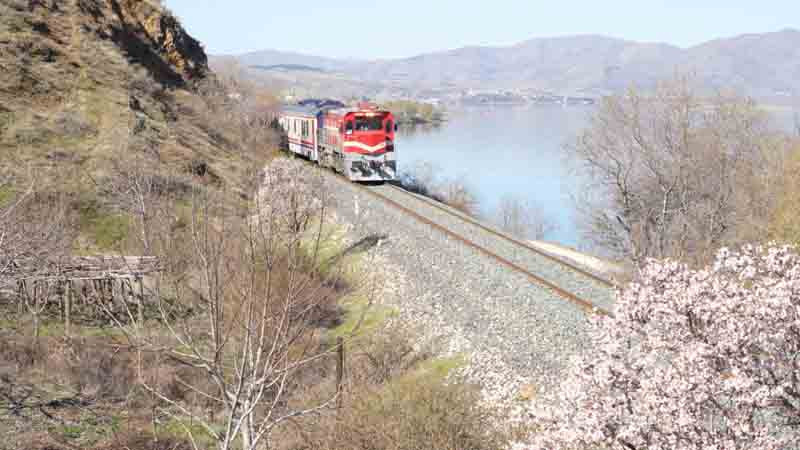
(518, 314)
(568, 281)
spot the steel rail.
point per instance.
(513, 240)
(585, 304)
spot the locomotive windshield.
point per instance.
(369, 123)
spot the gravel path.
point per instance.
(516, 336)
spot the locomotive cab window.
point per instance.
(389, 126)
(369, 124)
(348, 128)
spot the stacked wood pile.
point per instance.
(82, 268)
(111, 284)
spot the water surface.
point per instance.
(501, 151)
(517, 150)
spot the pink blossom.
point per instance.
(692, 359)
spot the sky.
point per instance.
(372, 29)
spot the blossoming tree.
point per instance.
(692, 359)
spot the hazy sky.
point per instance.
(388, 29)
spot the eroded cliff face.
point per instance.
(149, 35)
(167, 35)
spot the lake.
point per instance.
(507, 150)
(514, 150)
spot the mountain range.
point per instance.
(761, 65)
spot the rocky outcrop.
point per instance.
(174, 44)
(150, 35)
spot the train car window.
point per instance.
(369, 124)
(389, 126)
(348, 128)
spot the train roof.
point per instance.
(322, 103)
(313, 111)
(312, 107)
(297, 110)
(354, 109)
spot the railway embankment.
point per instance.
(515, 335)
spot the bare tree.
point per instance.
(668, 171)
(523, 218)
(459, 196)
(242, 309)
(243, 110)
(420, 178)
(35, 235)
(11, 238)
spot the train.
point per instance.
(358, 141)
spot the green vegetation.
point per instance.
(7, 194)
(106, 229)
(440, 368)
(360, 316)
(177, 429)
(414, 113)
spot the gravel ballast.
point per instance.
(515, 335)
(564, 277)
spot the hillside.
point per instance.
(131, 146)
(87, 84)
(763, 65)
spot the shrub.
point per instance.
(458, 195)
(408, 414)
(398, 397)
(422, 179)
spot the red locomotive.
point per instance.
(357, 142)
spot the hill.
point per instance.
(109, 111)
(87, 83)
(762, 65)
